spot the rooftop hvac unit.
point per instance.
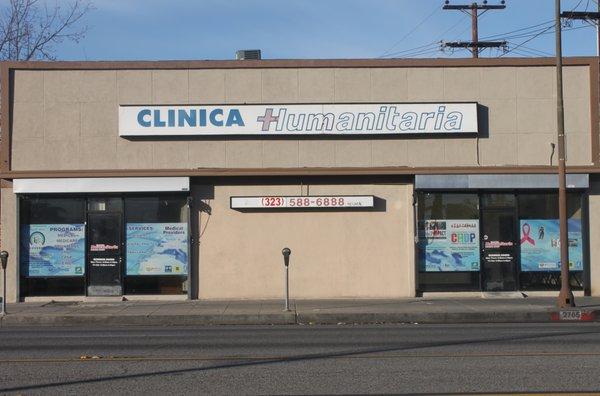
(247, 54)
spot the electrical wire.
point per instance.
(518, 30)
(435, 10)
(428, 48)
(528, 32)
(540, 52)
(434, 43)
(526, 52)
(422, 54)
(540, 34)
(524, 42)
(415, 48)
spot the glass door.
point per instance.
(499, 245)
(105, 254)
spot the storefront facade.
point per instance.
(386, 178)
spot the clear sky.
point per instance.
(214, 29)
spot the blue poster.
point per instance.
(157, 248)
(540, 245)
(53, 250)
(449, 245)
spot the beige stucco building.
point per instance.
(90, 207)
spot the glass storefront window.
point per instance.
(448, 247)
(105, 204)
(539, 241)
(66, 245)
(530, 250)
(52, 251)
(157, 248)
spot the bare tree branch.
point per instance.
(29, 30)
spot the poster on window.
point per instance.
(540, 245)
(449, 245)
(49, 250)
(157, 248)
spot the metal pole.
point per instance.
(474, 32)
(3, 292)
(286, 262)
(565, 297)
(287, 288)
(595, 160)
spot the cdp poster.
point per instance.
(540, 245)
(49, 250)
(449, 245)
(157, 248)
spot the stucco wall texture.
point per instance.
(335, 254)
(594, 225)
(68, 119)
(8, 220)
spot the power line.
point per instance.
(529, 32)
(544, 32)
(435, 10)
(525, 42)
(434, 43)
(475, 45)
(519, 30)
(542, 53)
(429, 48)
(423, 53)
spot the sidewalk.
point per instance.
(178, 313)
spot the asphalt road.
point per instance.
(301, 359)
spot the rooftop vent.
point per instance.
(247, 54)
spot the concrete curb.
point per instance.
(429, 318)
(145, 320)
(289, 318)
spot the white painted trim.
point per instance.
(101, 185)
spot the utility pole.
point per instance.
(474, 45)
(565, 297)
(586, 16)
(592, 17)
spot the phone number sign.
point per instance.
(319, 201)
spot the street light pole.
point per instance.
(565, 297)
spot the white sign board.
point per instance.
(321, 201)
(312, 119)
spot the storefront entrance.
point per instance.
(498, 242)
(105, 254)
(104, 245)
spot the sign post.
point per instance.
(4, 262)
(286, 261)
